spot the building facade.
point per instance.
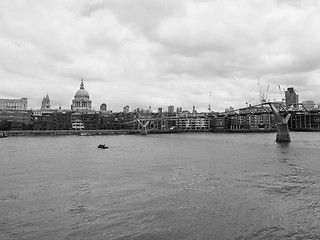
(171, 109)
(16, 119)
(14, 104)
(291, 97)
(103, 107)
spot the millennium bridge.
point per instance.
(264, 116)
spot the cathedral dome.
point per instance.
(81, 101)
(82, 93)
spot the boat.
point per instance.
(103, 146)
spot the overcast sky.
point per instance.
(159, 52)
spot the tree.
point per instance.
(5, 125)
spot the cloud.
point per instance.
(143, 52)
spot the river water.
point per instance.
(171, 186)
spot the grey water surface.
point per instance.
(172, 186)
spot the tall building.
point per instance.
(194, 111)
(45, 103)
(170, 109)
(103, 107)
(81, 99)
(126, 109)
(291, 96)
(14, 104)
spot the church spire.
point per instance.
(81, 85)
(45, 103)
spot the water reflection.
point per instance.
(283, 150)
(283, 145)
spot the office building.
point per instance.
(170, 109)
(291, 97)
(103, 107)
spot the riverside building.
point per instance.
(14, 104)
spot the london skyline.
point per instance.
(159, 53)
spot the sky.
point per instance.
(158, 53)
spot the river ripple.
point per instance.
(177, 186)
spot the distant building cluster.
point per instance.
(14, 115)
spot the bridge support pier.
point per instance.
(282, 125)
(283, 133)
(143, 130)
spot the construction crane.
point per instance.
(209, 106)
(283, 98)
(266, 98)
(249, 101)
(263, 96)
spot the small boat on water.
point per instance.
(103, 146)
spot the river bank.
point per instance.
(123, 132)
(69, 132)
(81, 133)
